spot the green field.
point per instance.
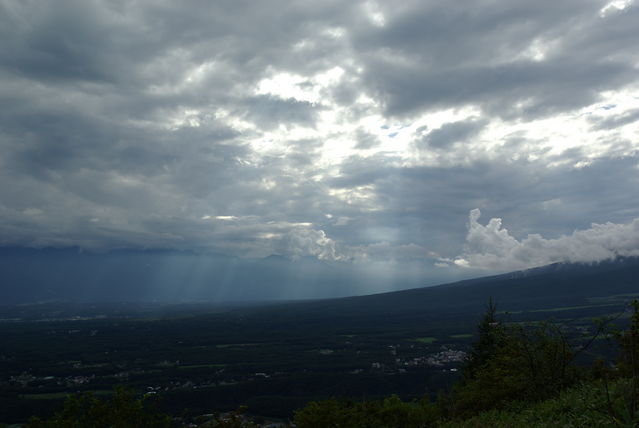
(235, 345)
(558, 309)
(202, 366)
(571, 308)
(60, 395)
(427, 340)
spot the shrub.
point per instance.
(390, 412)
(123, 410)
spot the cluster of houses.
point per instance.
(445, 357)
(25, 379)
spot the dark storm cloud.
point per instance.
(617, 121)
(454, 132)
(429, 57)
(269, 112)
(366, 140)
(542, 89)
(56, 41)
(91, 40)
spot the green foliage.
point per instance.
(123, 410)
(627, 392)
(628, 363)
(390, 412)
(509, 363)
(583, 406)
(234, 419)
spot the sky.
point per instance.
(335, 147)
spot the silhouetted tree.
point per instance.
(489, 330)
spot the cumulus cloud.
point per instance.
(301, 242)
(491, 246)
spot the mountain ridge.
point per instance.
(555, 285)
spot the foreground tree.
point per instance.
(489, 335)
(512, 362)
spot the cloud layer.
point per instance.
(357, 132)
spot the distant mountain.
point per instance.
(552, 286)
